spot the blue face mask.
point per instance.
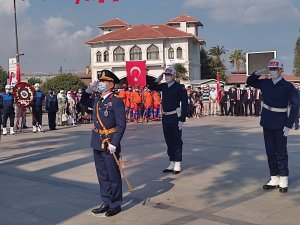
(102, 87)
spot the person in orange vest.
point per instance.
(122, 93)
(148, 103)
(129, 113)
(136, 100)
(156, 105)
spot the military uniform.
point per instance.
(109, 127)
(276, 95)
(173, 97)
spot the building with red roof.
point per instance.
(177, 41)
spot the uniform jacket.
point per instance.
(51, 103)
(279, 95)
(235, 95)
(115, 118)
(172, 98)
(38, 99)
(8, 100)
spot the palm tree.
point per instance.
(217, 52)
(237, 58)
(181, 72)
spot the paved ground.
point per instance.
(49, 178)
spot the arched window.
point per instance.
(119, 54)
(179, 53)
(98, 56)
(171, 53)
(152, 52)
(106, 56)
(135, 53)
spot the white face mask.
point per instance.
(168, 79)
(102, 87)
(274, 74)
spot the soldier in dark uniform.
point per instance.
(257, 101)
(223, 101)
(109, 127)
(174, 112)
(276, 121)
(238, 96)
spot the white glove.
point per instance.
(286, 131)
(180, 125)
(159, 79)
(111, 148)
(92, 87)
(259, 72)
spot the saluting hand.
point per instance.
(259, 72)
(159, 79)
(92, 87)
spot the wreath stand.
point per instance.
(24, 94)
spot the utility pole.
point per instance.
(17, 44)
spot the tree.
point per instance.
(217, 63)
(206, 62)
(63, 81)
(181, 72)
(3, 78)
(34, 80)
(237, 59)
(297, 58)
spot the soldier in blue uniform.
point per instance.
(8, 110)
(37, 108)
(174, 112)
(276, 120)
(109, 126)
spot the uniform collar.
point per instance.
(276, 80)
(171, 83)
(105, 96)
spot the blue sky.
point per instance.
(52, 32)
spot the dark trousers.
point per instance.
(37, 114)
(109, 178)
(223, 108)
(297, 123)
(257, 107)
(239, 108)
(276, 150)
(174, 142)
(231, 108)
(8, 112)
(51, 120)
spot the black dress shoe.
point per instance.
(270, 187)
(102, 209)
(114, 211)
(167, 171)
(176, 172)
(283, 190)
(24, 127)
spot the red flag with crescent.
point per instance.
(136, 73)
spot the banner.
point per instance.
(136, 73)
(14, 71)
(218, 88)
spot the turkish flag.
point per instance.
(77, 1)
(218, 88)
(136, 73)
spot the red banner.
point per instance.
(218, 88)
(136, 73)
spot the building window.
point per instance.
(119, 54)
(179, 53)
(135, 53)
(152, 52)
(171, 53)
(98, 56)
(106, 56)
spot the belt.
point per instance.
(169, 113)
(108, 131)
(273, 109)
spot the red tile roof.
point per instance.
(184, 18)
(114, 23)
(241, 78)
(143, 32)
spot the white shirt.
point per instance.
(213, 95)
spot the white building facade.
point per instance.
(160, 45)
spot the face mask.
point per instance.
(274, 74)
(37, 88)
(168, 79)
(7, 91)
(102, 87)
(68, 95)
(51, 92)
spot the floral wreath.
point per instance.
(23, 94)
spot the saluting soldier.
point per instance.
(109, 127)
(174, 112)
(277, 94)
